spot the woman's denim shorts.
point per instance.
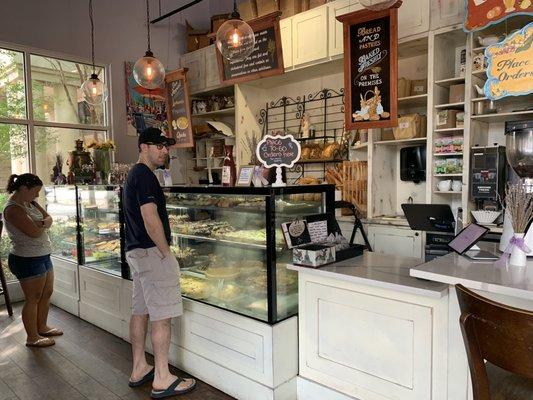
(29, 267)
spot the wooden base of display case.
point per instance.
(66, 289)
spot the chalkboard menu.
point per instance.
(266, 58)
(178, 108)
(371, 68)
(278, 151)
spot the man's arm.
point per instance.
(154, 227)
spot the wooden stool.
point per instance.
(3, 283)
(503, 336)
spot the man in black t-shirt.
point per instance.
(155, 270)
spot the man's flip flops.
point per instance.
(148, 377)
(173, 390)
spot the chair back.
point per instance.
(495, 332)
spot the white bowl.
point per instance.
(486, 216)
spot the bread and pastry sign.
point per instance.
(510, 65)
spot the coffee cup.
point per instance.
(457, 186)
(445, 185)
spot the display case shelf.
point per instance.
(223, 112)
(401, 141)
(413, 101)
(502, 117)
(457, 106)
(450, 81)
(448, 130)
(446, 175)
(447, 154)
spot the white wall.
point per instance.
(120, 35)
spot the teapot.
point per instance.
(445, 185)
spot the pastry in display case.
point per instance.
(231, 251)
(99, 211)
(62, 206)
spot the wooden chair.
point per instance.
(503, 336)
(3, 283)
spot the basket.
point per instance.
(486, 216)
(355, 183)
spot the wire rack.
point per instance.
(325, 109)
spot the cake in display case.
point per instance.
(230, 247)
(61, 204)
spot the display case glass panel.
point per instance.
(99, 210)
(62, 207)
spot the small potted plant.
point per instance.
(102, 157)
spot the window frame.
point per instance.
(30, 122)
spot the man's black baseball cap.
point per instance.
(155, 136)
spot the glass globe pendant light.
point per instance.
(148, 71)
(377, 5)
(94, 91)
(235, 38)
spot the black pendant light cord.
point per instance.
(235, 14)
(148, 26)
(92, 33)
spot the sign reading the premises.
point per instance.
(371, 68)
(278, 151)
(510, 65)
(266, 58)
(482, 13)
(178, 108)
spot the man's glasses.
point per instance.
(160, 146)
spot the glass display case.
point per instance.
(64, 235)
(229, 244)
(100, 227)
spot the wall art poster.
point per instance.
(510, 65)
(144, 108)
(482, 13)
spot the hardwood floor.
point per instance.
(85, 363)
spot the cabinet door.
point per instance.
(310, 36)
(212, 77)
(446, 13)
(413, 18)
(285, 26)
(195, 62)
(395, 241)
(337, 8)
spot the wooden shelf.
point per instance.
(413, 101)
(479, 99)
(401, 141)
(446, 130)
(318, 161)
(225, 111)
(446, 154)
(446, 192)
(502, 117)
(446, 175)
(482, 48)
(450, 81)
(459, 105)
(480, 72)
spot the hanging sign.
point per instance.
(371, 68)
(482, 13)
(510, 65)
(278, 151)
(178, 107)
(266, 58)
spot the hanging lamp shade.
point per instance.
(148, 71)
(377, 5)
(235, 38)
(93, 89)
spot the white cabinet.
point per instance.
(195, 62)
(337, 8)
(395, 241)
(285, 27)
(310, 36)
(413, 18)
(212, 76)
(446, 13)
(66, 294)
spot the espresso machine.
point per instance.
(488, 176)
(519, 144)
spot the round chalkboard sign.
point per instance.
(278, 151)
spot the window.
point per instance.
(42, 114)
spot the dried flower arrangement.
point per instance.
(519, 205)
(105, 145)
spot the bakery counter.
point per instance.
(368, 330)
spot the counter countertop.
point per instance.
(379, 270)
(485, 276)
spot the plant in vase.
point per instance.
(102, 157)
(519, 207)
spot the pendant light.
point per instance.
(94, 91)
(148, 71)
(377, 5)
(235, 38)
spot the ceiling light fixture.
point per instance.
(148, 71)
(94, 90)
(235, 38)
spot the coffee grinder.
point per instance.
(488, 176)
(519, 143)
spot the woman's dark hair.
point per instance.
(16, 181)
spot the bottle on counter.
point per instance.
(229, 172)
